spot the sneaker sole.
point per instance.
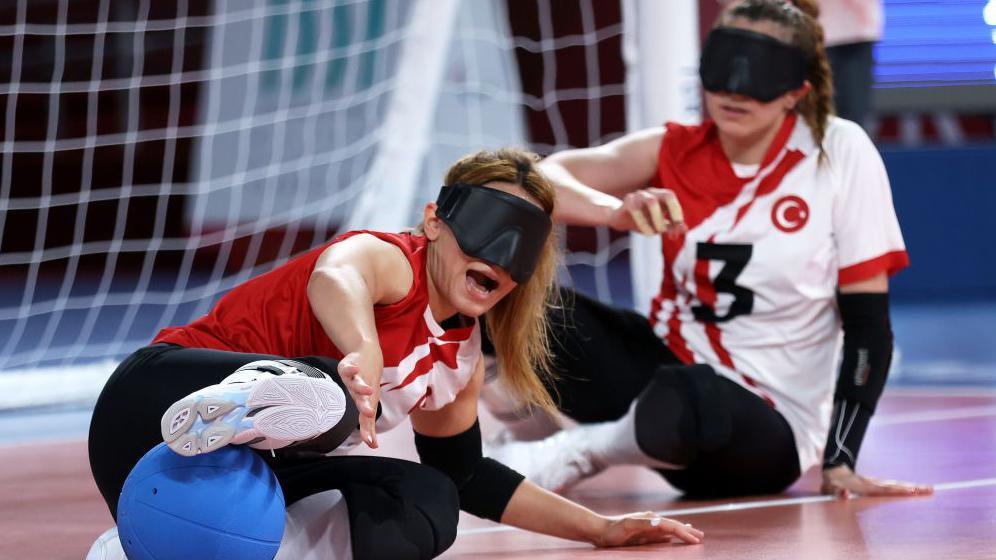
(283, 408)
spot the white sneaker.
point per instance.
(107, 547)
(555, 463)
(266, 404)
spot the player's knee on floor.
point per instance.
(710, 481)
(411, 516)
(438, 501)
(681, 413)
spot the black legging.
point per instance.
(397, 509)
(730, 440)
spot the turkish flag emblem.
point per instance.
(790, 213)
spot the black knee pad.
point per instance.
(708, 482)
(681, 413)
(441, 509)
(411, 514)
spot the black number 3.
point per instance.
(734, 258)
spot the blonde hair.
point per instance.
(518, 324)
(799, 17)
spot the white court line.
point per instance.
(882, 420)
(721, 508)
(965, 484)
(933, 415)
(928, 391)
(54, 440)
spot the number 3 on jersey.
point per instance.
(734, 258)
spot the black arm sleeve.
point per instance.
(863, 371)
(485, 485)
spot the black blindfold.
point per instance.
(495, 226)
(749, 63)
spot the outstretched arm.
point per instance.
(535, 509)
(350, 277)
(605, 185)
(450, 440)
(864, 309)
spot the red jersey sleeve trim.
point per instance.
(889, 263)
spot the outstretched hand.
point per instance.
(646, 528)
(361, 372)
(842, 482)
(650, 212)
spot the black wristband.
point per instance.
(847, 430)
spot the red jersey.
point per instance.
(425, 364)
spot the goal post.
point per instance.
(662, 60)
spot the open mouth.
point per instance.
(481, 281)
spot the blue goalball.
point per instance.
(221, 505)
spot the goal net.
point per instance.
(156, 154)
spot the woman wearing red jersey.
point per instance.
(390, 320)
(778, 210)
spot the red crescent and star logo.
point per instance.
(790, 213)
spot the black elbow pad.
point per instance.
(485, 485)
(864, 369)
(867, 348)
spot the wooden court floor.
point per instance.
(49, 507)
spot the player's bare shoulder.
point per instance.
(383, 264)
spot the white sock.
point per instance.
(614, 443)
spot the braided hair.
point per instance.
(799, 17)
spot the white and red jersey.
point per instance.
(425, 364)
(750, 289)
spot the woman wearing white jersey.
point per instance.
(378, 317)
(779, 231)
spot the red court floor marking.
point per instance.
(50, 507)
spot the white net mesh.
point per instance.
(155, 154)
